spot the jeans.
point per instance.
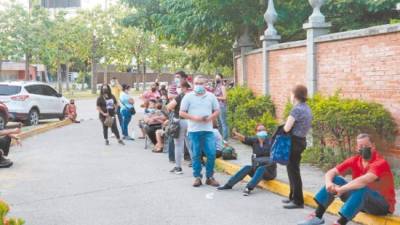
(257, 176)
(5, 143)
(126, 119)
(293, 170)
(223, 124)
(363, 199)
(202, 141)
(180, 143)
(119, 116)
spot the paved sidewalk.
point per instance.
(313, 177)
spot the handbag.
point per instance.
(131, 110)
(270, 172)
(108, 121)
(281, 149)
(173, 127)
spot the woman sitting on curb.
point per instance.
(261, 166)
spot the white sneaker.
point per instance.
(312, 220)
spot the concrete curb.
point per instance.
(281, 188)
(43, 128)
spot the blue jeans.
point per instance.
(248, 170)
(171, 148)
(126, 119)
(119, 116)
(363, 199)
(202, 141)
(223, 125)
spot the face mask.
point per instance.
(112, 83)
(366, 153)
(218, 81)
(153, 89)
(199, 89)
(262, 134)
(151, 110)
(105, 90)
(177, 81)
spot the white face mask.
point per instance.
(112, 82)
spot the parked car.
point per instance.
(30, 101)
(3, 116)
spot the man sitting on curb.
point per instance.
(5, 141)
(371, 189)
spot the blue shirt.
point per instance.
(203, 105)
(124, 100)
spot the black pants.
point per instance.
(293, 170)
(151, 132)
(114, 129)
(5, 143)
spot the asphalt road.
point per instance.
(69, 177)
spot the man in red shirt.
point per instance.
(371, 189)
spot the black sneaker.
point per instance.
(121, 142)
(176, 170)
(246, 192)
(190, 164)
(5, 163)
(107, 142)
(224, 187)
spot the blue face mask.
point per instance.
(177, 81)
(199, 89)
(262, 134)
(151, 110)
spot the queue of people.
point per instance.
(187, 114)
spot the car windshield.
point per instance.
(6, 90)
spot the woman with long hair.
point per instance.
(106, 106)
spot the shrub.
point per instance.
(4, 209)
(245, 111)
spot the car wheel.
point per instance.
(3, 121)
(64, 114)
(33, 118)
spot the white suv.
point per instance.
(29, 101)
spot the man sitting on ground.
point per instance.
(371, 189)
(5, 141)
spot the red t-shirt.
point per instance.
(378, 166)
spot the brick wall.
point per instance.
(365, 66)
(287, 67)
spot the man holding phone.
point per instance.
(200, 108)
(371, 190)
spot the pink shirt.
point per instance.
(149, 95)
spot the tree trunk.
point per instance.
(144, 76)
(67, 75)
(105, 81)
(59, 78)
(94, 78)
(1, 67)
(27, 62)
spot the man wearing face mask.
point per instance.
(371, 189)
(200, 108)
(174, 89)
(116, 90)
(261, 168)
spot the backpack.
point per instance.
(228, 153)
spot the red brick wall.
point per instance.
(255, 73)
(287, 67)
(366, 68)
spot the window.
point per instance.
(7, 90)
(49, 91)
(34, 89)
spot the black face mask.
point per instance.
(153, 89)
(218, 81)
(366, 153)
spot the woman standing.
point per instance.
(106, 106)
(174, 106)
(220, 93)
(127, 105)
(298, 123)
